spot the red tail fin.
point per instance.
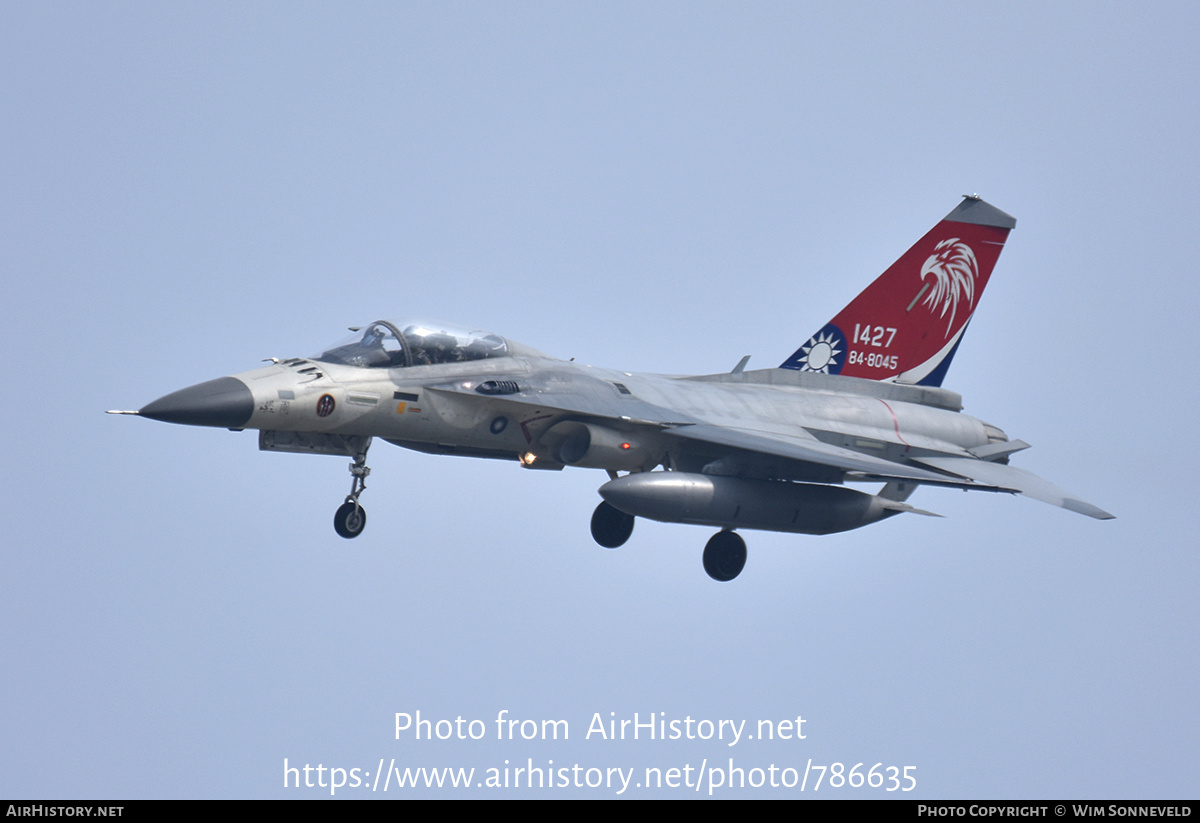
(906, 326)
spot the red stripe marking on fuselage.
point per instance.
(895, 423)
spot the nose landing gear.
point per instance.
(351, 518)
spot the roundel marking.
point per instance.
(498, 425)
(325, 405)
(824, 352)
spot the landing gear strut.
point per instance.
(351, 518)
(724, 555)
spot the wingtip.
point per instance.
(1083, 507)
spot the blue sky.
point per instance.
(191, 188)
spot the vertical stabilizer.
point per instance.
(906, 326)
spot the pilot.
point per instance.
(366, 351)
(481, 348)
(440, 348)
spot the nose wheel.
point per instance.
(351, 517)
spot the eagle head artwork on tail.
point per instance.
(954, 270)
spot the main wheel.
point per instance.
(350, 520)
(724, 555)
(611, 527)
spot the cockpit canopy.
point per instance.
(391, 344)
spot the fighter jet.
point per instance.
(859, 402)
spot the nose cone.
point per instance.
(225, 402)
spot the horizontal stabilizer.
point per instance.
(1026, 483)
(899, 506)
(997, 451)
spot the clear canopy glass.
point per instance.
(392, 345)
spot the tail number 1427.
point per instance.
(876, 336)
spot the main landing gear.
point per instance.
(611, 527)
(724, 554)
(351, 518)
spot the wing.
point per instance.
(808, 452)
(1017, 480)
(796, 455)
(960, 472)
